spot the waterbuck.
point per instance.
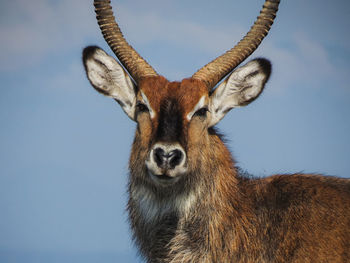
(188, 201)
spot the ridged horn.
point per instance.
(136, 66)
(217, 69)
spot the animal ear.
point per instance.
(243, 86)
(108, 77)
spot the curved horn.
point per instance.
(216, 70)
(131, 60)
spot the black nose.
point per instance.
(167, 160)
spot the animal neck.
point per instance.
(220, 214)
(209, 196)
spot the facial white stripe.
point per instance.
(146, 101)
(200, 104)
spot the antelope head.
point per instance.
(175, 119)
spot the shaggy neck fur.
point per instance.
(199, 210)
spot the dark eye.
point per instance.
(141, 107)
(201, 112)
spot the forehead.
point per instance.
(186, 93)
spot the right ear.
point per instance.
(108, 77)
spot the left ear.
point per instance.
(243, 86)
(108, 77)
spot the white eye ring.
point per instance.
(145, 101)
(141, 107)
(202, 112)
(199, 106)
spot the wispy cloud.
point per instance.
(155, 27)
(32, 31)
(303, 61)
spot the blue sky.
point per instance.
(64, 148)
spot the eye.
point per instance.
(202, 112)
(141, 107)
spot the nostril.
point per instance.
(175, 158)
(167, 159)
(159, 156)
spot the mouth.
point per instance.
(163, 179)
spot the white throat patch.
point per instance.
(153, 209)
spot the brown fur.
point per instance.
(229, 218)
